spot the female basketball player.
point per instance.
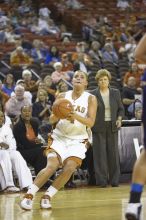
(69, 139)
(139, 173)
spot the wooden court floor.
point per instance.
(76, 204)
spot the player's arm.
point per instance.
(92, 108)
(140, 51)
(53, 119)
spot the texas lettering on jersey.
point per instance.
(78, 108)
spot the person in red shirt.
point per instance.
(136, 72)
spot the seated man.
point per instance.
(20, 58)
(129, 96)
(26, 135)
(11, 160)
(15, 103)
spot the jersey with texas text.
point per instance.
(75, 129)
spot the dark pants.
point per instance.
(35, 158)
(106, 156)
(88, 165)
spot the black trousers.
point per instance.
(106, 156)
(35, 158)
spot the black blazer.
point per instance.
(19, 131)
(116, 106)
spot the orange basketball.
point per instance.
(61, 108)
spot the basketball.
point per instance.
(61, 108)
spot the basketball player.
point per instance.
(69, 139)
(139, 173)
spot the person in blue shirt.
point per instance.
(8, 85)
(133, 210)
(53, 55)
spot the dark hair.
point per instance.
(82, 72)
(29, 106)
(9, 75)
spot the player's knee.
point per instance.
(52, 156)
(52, 165)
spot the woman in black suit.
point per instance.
(105, 131)
(28, 144)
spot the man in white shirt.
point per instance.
(11, 160)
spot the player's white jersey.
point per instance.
(74, 130)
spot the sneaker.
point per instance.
(27, 202)
(12, 189)
(133, 211)
(45, 202)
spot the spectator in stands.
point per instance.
(8, 84)
(74, 4)
(38, 52)
(34, 28)
(95, 52)
(66, 40)
(42, 110)
(3, 97)
(27, 94)
(14, 104)
(90, 20)
(53, 55)
(136, 72)
(13, 159)
(44, 11)
(83, 63)
(50, 87)
(24, 8)
(58, 74)
(43, 25)
(109, 54)
(89, 24)
(128, 96)
(20, 58)
(2, 11)
(123, 33)
(9, 34)
(53, 28)
(61, 87)
(105, 131)
(4, 20)
(29, 84)
(123, 4)
(64, 33)
(47, 26)
(67, 66)
(130, 48)
(28, 143)
(2, 35)
(80, 48)
(137, 113)
(6, 182)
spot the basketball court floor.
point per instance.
(83, 203)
